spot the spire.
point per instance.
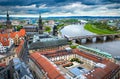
(8, 16)
(40, 16)
(40, 24)
(8, 22)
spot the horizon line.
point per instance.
(22, 15)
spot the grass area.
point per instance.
(73, 46)
(93, 29)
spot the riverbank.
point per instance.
(96, 30)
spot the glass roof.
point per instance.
(96, 51)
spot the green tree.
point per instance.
(60, 26)
(0, 26)
(47, 29)
(19, 27)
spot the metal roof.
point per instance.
(48, 43)
(97, 51)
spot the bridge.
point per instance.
(93, 38)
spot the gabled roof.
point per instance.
(4, 37)
(20, 33)
(51, 70)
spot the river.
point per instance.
(75, 30)
(112, 47)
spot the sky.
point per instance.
(60, 7)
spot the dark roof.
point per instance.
(47, 44)
(19, 65)
(29, 26)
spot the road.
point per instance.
(25, 54)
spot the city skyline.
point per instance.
(60, 7)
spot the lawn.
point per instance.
(93, 29)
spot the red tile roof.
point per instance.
(100, 73)
(104, 73)
(87, 55)
(4, 37)
(52, 72)
(20, 33)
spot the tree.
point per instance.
(19, 27)
(47, 29)
(0, 26)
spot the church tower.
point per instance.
(40, 24)
(8, 22)
(55, 30)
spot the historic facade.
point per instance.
(11, 45)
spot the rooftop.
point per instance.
(4, 38)
(45, 41)
(21, 68)
(52, 71)
(97, 51)
(30, 26)
(103, 68)
(103, 73)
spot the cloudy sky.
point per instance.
(61, 7)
